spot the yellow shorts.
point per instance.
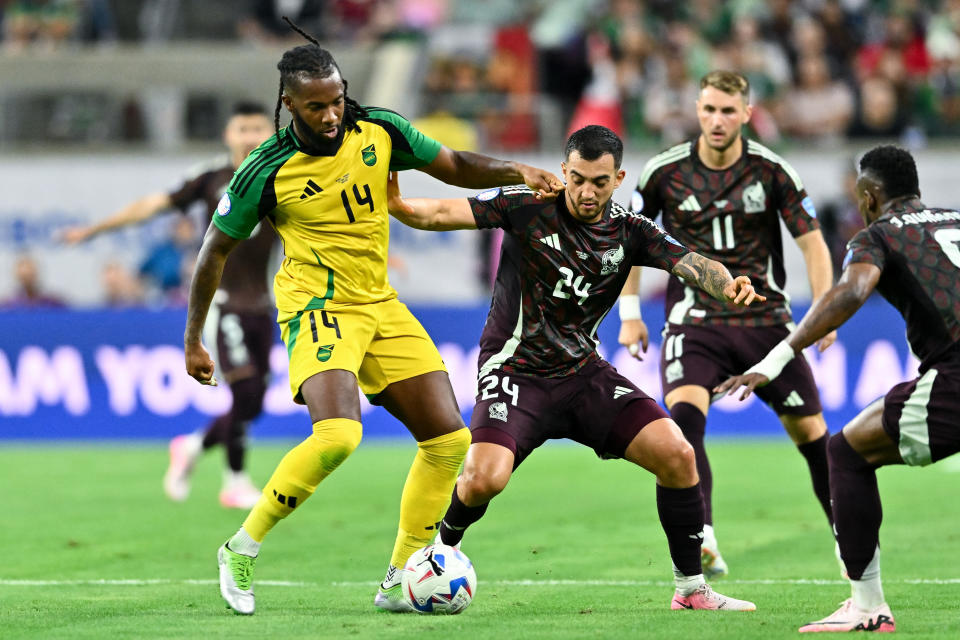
(381, 343)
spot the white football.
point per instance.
(439, 579)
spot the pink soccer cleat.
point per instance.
(706, 598)
(184, 451)
(850, 618)
(239, 492)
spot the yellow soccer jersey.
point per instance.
(330, 211)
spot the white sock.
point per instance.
(232, 478)
(709, 537)
(194, 442)
(242, 543)
(867, 591)
(686, 584)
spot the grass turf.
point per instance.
(572, 549)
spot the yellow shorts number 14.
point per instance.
(381, 343)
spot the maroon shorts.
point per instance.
(596, 407)
(241, 341)
(705, 356)
(923, 415)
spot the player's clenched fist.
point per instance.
(199, 364)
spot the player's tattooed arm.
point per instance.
(713, 277)
(206, 278)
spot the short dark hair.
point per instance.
(894, 168)
(592, 141)
(248, 108)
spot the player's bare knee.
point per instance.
(677, 466)
(479, 487)
(804, 429)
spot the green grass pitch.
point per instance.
(571, 549)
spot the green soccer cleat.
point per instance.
(390, 593)
(236, 579)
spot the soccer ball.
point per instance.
(439, 579)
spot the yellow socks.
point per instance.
(301, 470)
(427, 491)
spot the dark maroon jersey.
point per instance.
(558, 278)
(918, 251)
(732, 216)
(245, 279)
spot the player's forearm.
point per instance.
(206, 279)
(709, 275)
(816, 255)
(827, 314)
(134, 213)
(432, 214)
(476, 171)
(632, 286)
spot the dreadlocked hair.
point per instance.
(313, 61)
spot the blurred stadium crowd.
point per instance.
(821, 70)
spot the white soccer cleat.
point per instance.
(239, 492)
(713, 563)
(851, 618)
(236, 579)
(704, 597)
(390, 595)
(184, 451)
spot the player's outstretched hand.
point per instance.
(547, 185)
(740, 292)
(824, 343)
(750, 381)
(633, 335)
(73, 235)
(199, 364)
(395, 202)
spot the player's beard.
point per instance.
(726, 144)
(320, 145)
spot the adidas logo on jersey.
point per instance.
(311, 189)
(793, 400)
(552, 241)
(621, 391)
(690, 204)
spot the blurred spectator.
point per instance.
(600, 101)
(44, 23)
(262, 20)
(900, 54)
(29, 293)
(163, 268)
(670, 110)
(842, 34)
(120, 287)
(879, 113)
(817, 108)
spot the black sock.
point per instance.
(816, 454)
(457, 518)
(693, 424)
(681, 515)
(230, 429)
(857, 511)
